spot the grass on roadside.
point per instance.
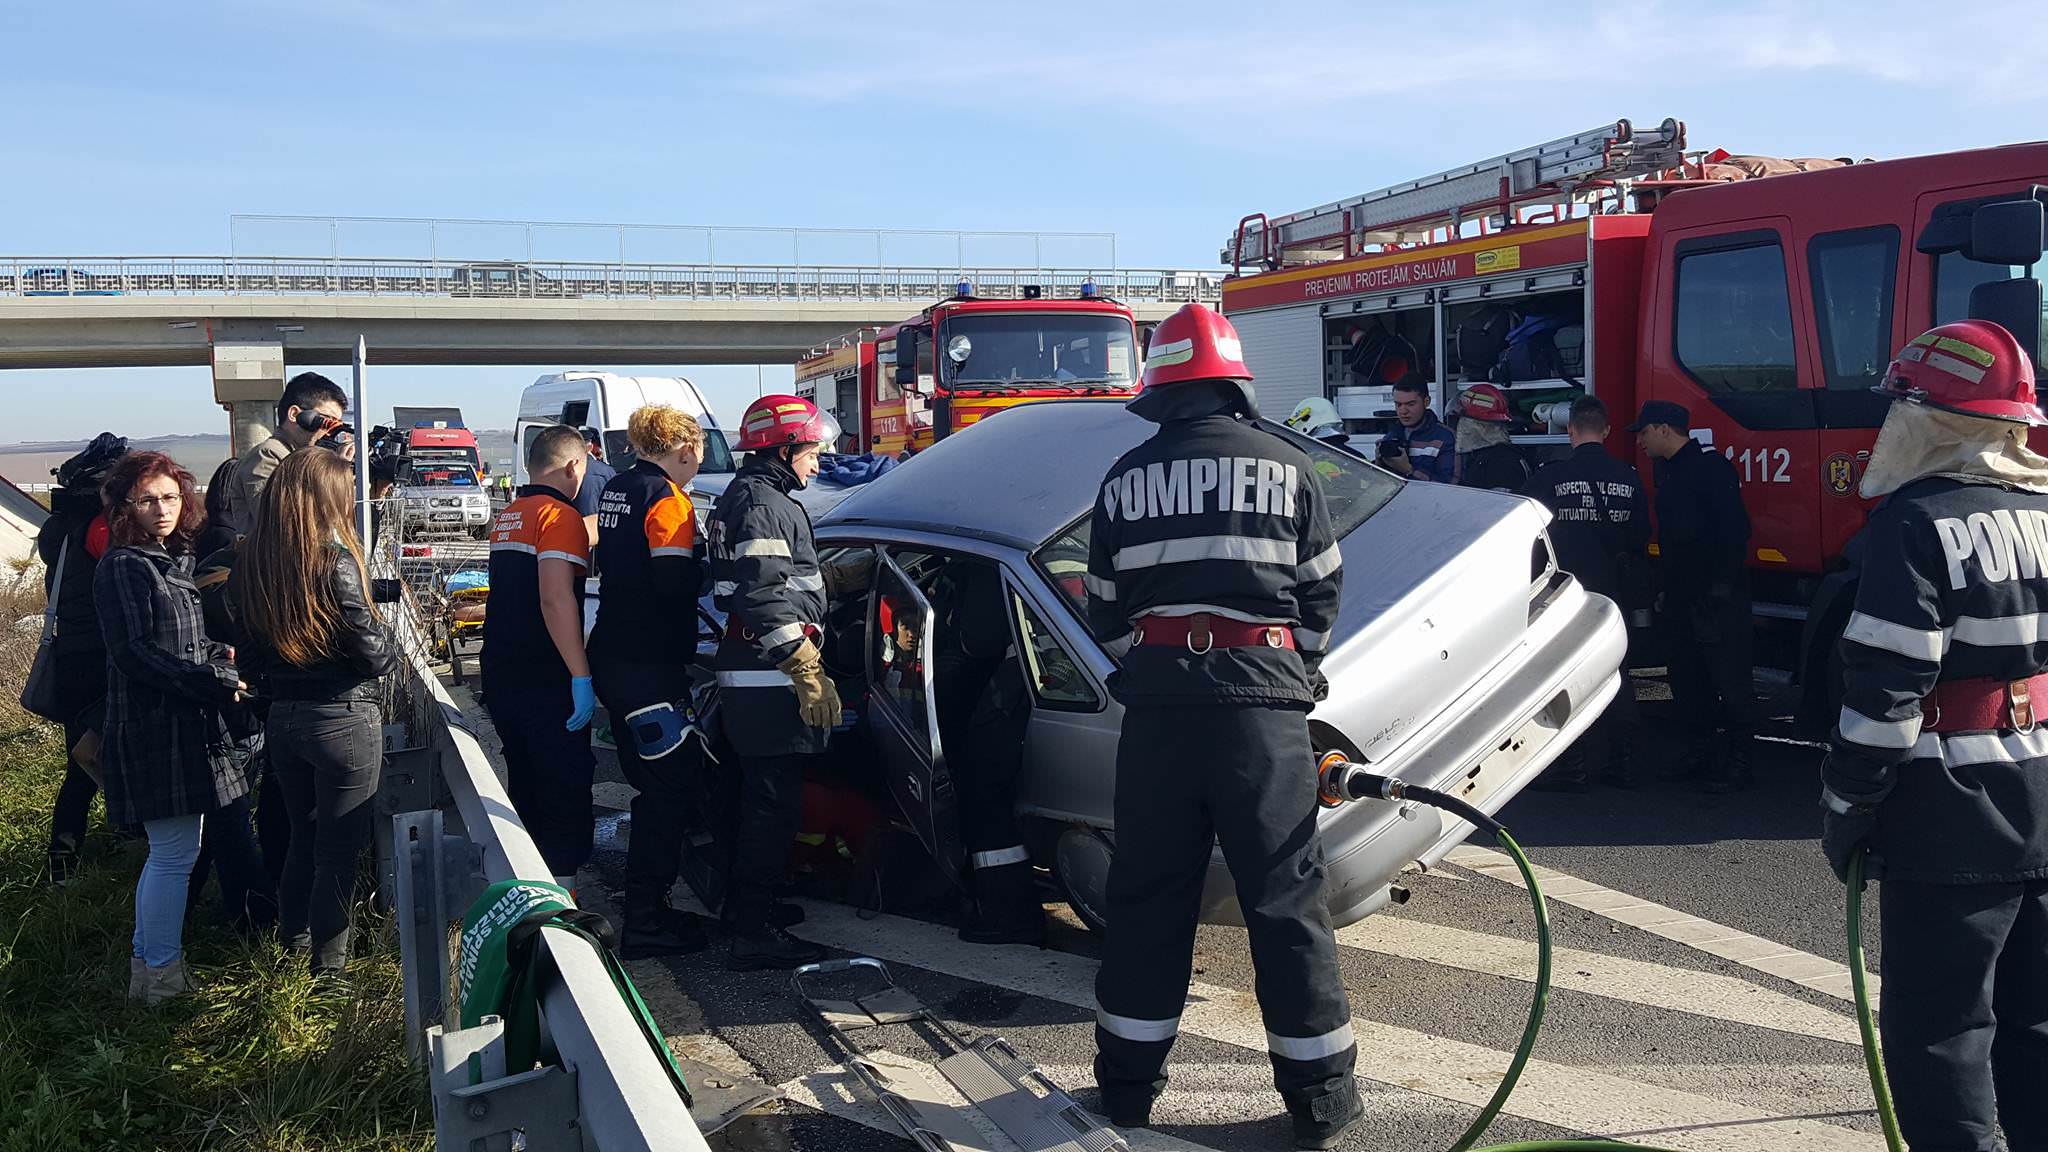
(259, 1058)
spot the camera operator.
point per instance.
(309, 413)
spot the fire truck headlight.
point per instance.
(958, 349)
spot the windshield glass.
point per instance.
(437, 474)
(618, 452)
(1353, 489)
(1080, 349)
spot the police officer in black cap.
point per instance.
(1703, 540)
(1600, 526)
(1211, 549)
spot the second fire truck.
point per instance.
(898, 389)
(1766, 296)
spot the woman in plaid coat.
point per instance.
(167, 756)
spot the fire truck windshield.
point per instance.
(1079, 350)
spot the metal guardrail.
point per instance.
(75, 277)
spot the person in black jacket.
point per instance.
(641, 650)
(1212, 550)
(315, 648)
(1704, 613)
(1600, 529)
(70, 545)
(778, 706)
(166, 760)
(1938, 764)
(1487, 458)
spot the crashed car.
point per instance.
(1463, 659)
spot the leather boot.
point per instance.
(1006, 907)
(1323, 1122)
(1733, 772)
(769, 946)
(655, 929)
(137, 974)
(161, 984)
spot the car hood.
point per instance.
(1436, 593)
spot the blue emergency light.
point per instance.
(1088, 289)
(963, 289)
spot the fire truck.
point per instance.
(901, 388)
(1766, 296)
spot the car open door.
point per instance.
(902, 716)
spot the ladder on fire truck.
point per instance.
(1563, 175)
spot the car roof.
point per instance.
(1014, 478)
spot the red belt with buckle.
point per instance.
(1983, 705)
(1201, 632)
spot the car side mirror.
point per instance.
(2016, 306)
(906, 358)
(2009, 232)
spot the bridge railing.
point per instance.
(67, 277)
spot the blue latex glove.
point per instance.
(582, 703)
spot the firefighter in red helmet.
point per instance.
(778, 707)
(1939, 763)
(1225, 581)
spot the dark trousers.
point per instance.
(273, 823)
(1609, 742)
(1965, 1017)
(248, 898)
(1186, 778)
(328, 758)
(986, 755)
(771, 808)
(664, 805)
(81, 684)
(1708, 643)
(548, 769)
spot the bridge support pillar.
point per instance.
(248, 377)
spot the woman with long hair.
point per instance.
(315, 648)
(167, 758)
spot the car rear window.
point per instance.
(1353, 488)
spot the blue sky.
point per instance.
(147, 125)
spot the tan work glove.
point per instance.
(817, 698)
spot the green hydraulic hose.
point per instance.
(1873, 1059)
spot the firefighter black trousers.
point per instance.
(990, 757)
(664, 788)
(1965, 1017)
(1708, 642)
(771, 808)
(1187, 778)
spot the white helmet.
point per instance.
(1315, 416)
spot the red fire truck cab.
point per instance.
(1766, 297)
(901, 388)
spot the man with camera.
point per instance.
(1421, 447)
(309, 412)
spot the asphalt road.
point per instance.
(1692, 1032)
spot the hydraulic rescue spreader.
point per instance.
(1339, 781)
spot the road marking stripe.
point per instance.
(1630, 981)
(1565, 1096)
(1819, 973)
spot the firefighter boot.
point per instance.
(1734, 772)
(655, 929)
(1007, 910)
(1322, 1122)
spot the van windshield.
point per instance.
(618, 452)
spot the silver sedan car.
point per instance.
(1463, 660)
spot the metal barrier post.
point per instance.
(422, 924)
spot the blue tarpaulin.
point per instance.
(852, 470)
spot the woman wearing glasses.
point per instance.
(167, 756)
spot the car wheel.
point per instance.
(1081, 865)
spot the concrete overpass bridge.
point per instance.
(127, 311)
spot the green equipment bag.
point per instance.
(500, 972)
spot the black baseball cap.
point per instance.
(1662, 412)
(591, 436)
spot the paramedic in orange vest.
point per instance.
(536, 678)
(640, 655)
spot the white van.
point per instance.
(605, 402)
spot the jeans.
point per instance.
(81, 684)
(327, 756)
(248, 898)
(160, 891)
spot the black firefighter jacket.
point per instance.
(1214, 514)
(764, 568)
(1954, 587)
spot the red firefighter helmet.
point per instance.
(1195, 343)
(1971, 367)
(779, 419)
(1485, 403)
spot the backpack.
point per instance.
(1481, 339)
(1533, 352)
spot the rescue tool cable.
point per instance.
(1339, 781)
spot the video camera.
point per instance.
(327, 432)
